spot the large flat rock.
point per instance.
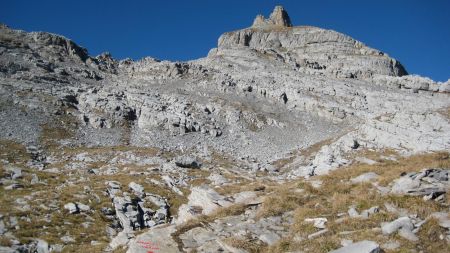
(156, 240)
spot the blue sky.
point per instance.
(416, 32)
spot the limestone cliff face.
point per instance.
(327, 51)
(267, 80)
(273, 102)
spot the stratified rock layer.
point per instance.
(271, 103)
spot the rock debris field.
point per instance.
(282, 139)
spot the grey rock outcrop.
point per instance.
(133, 212)
(188, 162)
(394, 226)
(202, 200)
(257, 83)
(71, 207)
(430, 183)
(360, 247)
(278, 18)
(271, 103)
(158, 238)
(320, 50)
(403, 225)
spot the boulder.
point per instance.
(394, 226)
(360, 247)
(42, 246)
(408, 234)
(353, 213)
(158, 239)
(34, 179)
(137, 189)
(113, 188)
(366, 213)
(71, 207)
(188, 162)
(430, 183)
(172, 184)
(443, 218)
(202, 200)
(318, 222)
(121, 239)
(3, 228)
(15, 172)
(13, 186)
(83, 207)
(270, 238)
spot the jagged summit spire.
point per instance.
(279, 17)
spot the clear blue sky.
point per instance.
(416, 32)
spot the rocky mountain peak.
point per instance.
(237, 141)
(307, 49)
(279, 18)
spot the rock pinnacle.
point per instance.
(278, 18)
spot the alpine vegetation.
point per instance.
(283, 138)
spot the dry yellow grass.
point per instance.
(13, 152)
(282, 200)
(244, 185)
(432, 235)
(54, 191)
(248, 244)
(336, 195)
(203, 220)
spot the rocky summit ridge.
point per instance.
(278, 18)
(252, 146)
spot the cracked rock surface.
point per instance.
(238, 151)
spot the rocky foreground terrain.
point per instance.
(283, 139)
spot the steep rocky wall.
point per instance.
(317, 48)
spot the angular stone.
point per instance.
(394, 226)
(13, 186)
(407, 234)
(137, 188)
(443, 218)
(360, 247)
(71, 207)
(318, 222)
(83, 207)
(158, 238)
(15, 172)
(247, 197)
(202, 200)
(121, 239)
(353, 213)
(188, 162)
(366, 213)
(42, 246)
(270, 238)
